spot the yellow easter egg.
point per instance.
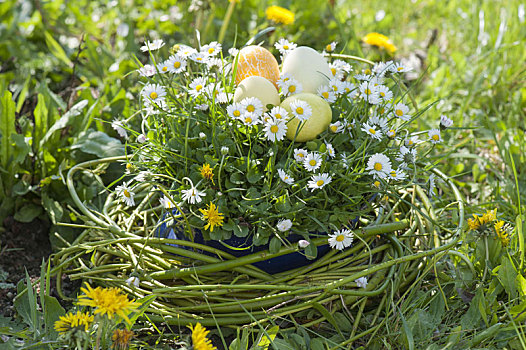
(258, 87)
(317, 123)
(256, 60)
(308, 67)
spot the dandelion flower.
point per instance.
(361, 282)
(284, 225)
(300, 155)
(275, 130)
(279, 15)
(152, 46)
(312, 162)
(380, 41)
(301, 110)
(212, 216)
(192, 195)
(284, 177)
(284, 46)
(121, 339)
(501, 232)
(206, 172)
(126, 194)
(434, 136)
(341, 239)
(197, 87)
(79, 320)
(108, 301)
(319, 181)
(199, 339)
(379, 165)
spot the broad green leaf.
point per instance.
(52, 207)
(21, 149)
(145, 303)
(7, 127)
(57, 50)
(99, 144)
(41, 120)
(28, 213)
(53, 311)
(275, 245)
(325, 313)
(65, 120)
(507, 276)
(521, 284)
(254, 175)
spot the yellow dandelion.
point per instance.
(489, 216)
(121, 339)
(108, 301)
(279, 15)
(501, 232)
(206, 172)
(474, 223)
(80, 320)
(380, 41)
(199, 340)
(212, 216)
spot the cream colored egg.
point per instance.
(308, 67)
(256, 60)
(258, 87)
(317, 123)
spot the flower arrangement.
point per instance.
(240, 148)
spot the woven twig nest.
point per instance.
(193, 286)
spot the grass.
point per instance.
(470, 58)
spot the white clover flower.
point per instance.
(401, 111)
(301, 110)
(312, 162)
(361, 282)
(275, 130)
(379, 165)
(303, 243)
(147, 70)
(192, 195)
(300, 155)
(197, 87)
(152, 46)
(445, 121)
(284, 46)
(284, 177)
(163, 67)
(252, 106)
(290, 87)
(279, 113)
(133, 281)
(167, 203)
(153, 93)
(326, 93)
(211, 49)
(341, 239)
(385, 93)
(126, 194)
(235, 110)
(336, 127)
(372, 131)
(118, 126)
(284, 225)
(176, 64)
(330, 150)
(400, 68)
(319, 181)
(434, 136)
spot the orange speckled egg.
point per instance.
(256, 60)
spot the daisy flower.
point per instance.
(252, 106)
(406, 155)
(319, 181)
(339, 68)
(349, 89)
(300, 155)
(330, 47)
(186, 51)
(202, 107)
(412, 141)
(152, 46)
(301, 110)
(192, 195)
(147, 70)
(326, 93)
(385, 93)
(284, 177)
(336, 127)
(369, 92)
(361, 282)
(176, 64)
(133, 280)
(363, 77)
(142, 138)
(119, 127)
(398, 67)
(235, 110)
(275, 130)
(249, 119)
(400, 110)
(199, 57)
(445, 122)
(379, 121)
(279, 113)
(167, 203)
(153, 93)
(341, 239)
(434, 136)
(397, 175)
(163, 67)
(143, 176)
(330, 150)
(126, 194)
(233, 51)
(381, 68)
(303, 243)
(211, 49)
(391, 133)
(290, 87)
(284, 225)
(196, 87)
(372, 131)
(379, 165)
(312, 162)
(284, 46)
(336, 86)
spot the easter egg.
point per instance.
(259, 87)
(308, 67)
(317, 123)
(256, 60)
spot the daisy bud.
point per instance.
(141, 138)
(224, 150)
(303, 243)
(133, 280)
(202, 136)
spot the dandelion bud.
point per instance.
(303, 243)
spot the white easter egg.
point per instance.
(258, 87)
(308, 67)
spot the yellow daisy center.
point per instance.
(274, 129)
(126, 193)
(278, 116)
(333, 70)
(372, 131)
(400, 68)
(153, 95)
(334, 88)
(211, 50)
(286, 47)
(325, 94)
(378, 166)
(236, 113)
(435, 137)
(367, 71)
(299, 110)
(199, 59)
(334, 128)
(399, 112)
(340, 238)
(165, 69)
(177, 64)
(376, 183)
(382, 94)
(393, 173)
(410, 142)
(198, 88)
(367, 91)
(301, 155)
(292, 88)
(248, 120)
(312, 162)
(320, 183)
(251, 108)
